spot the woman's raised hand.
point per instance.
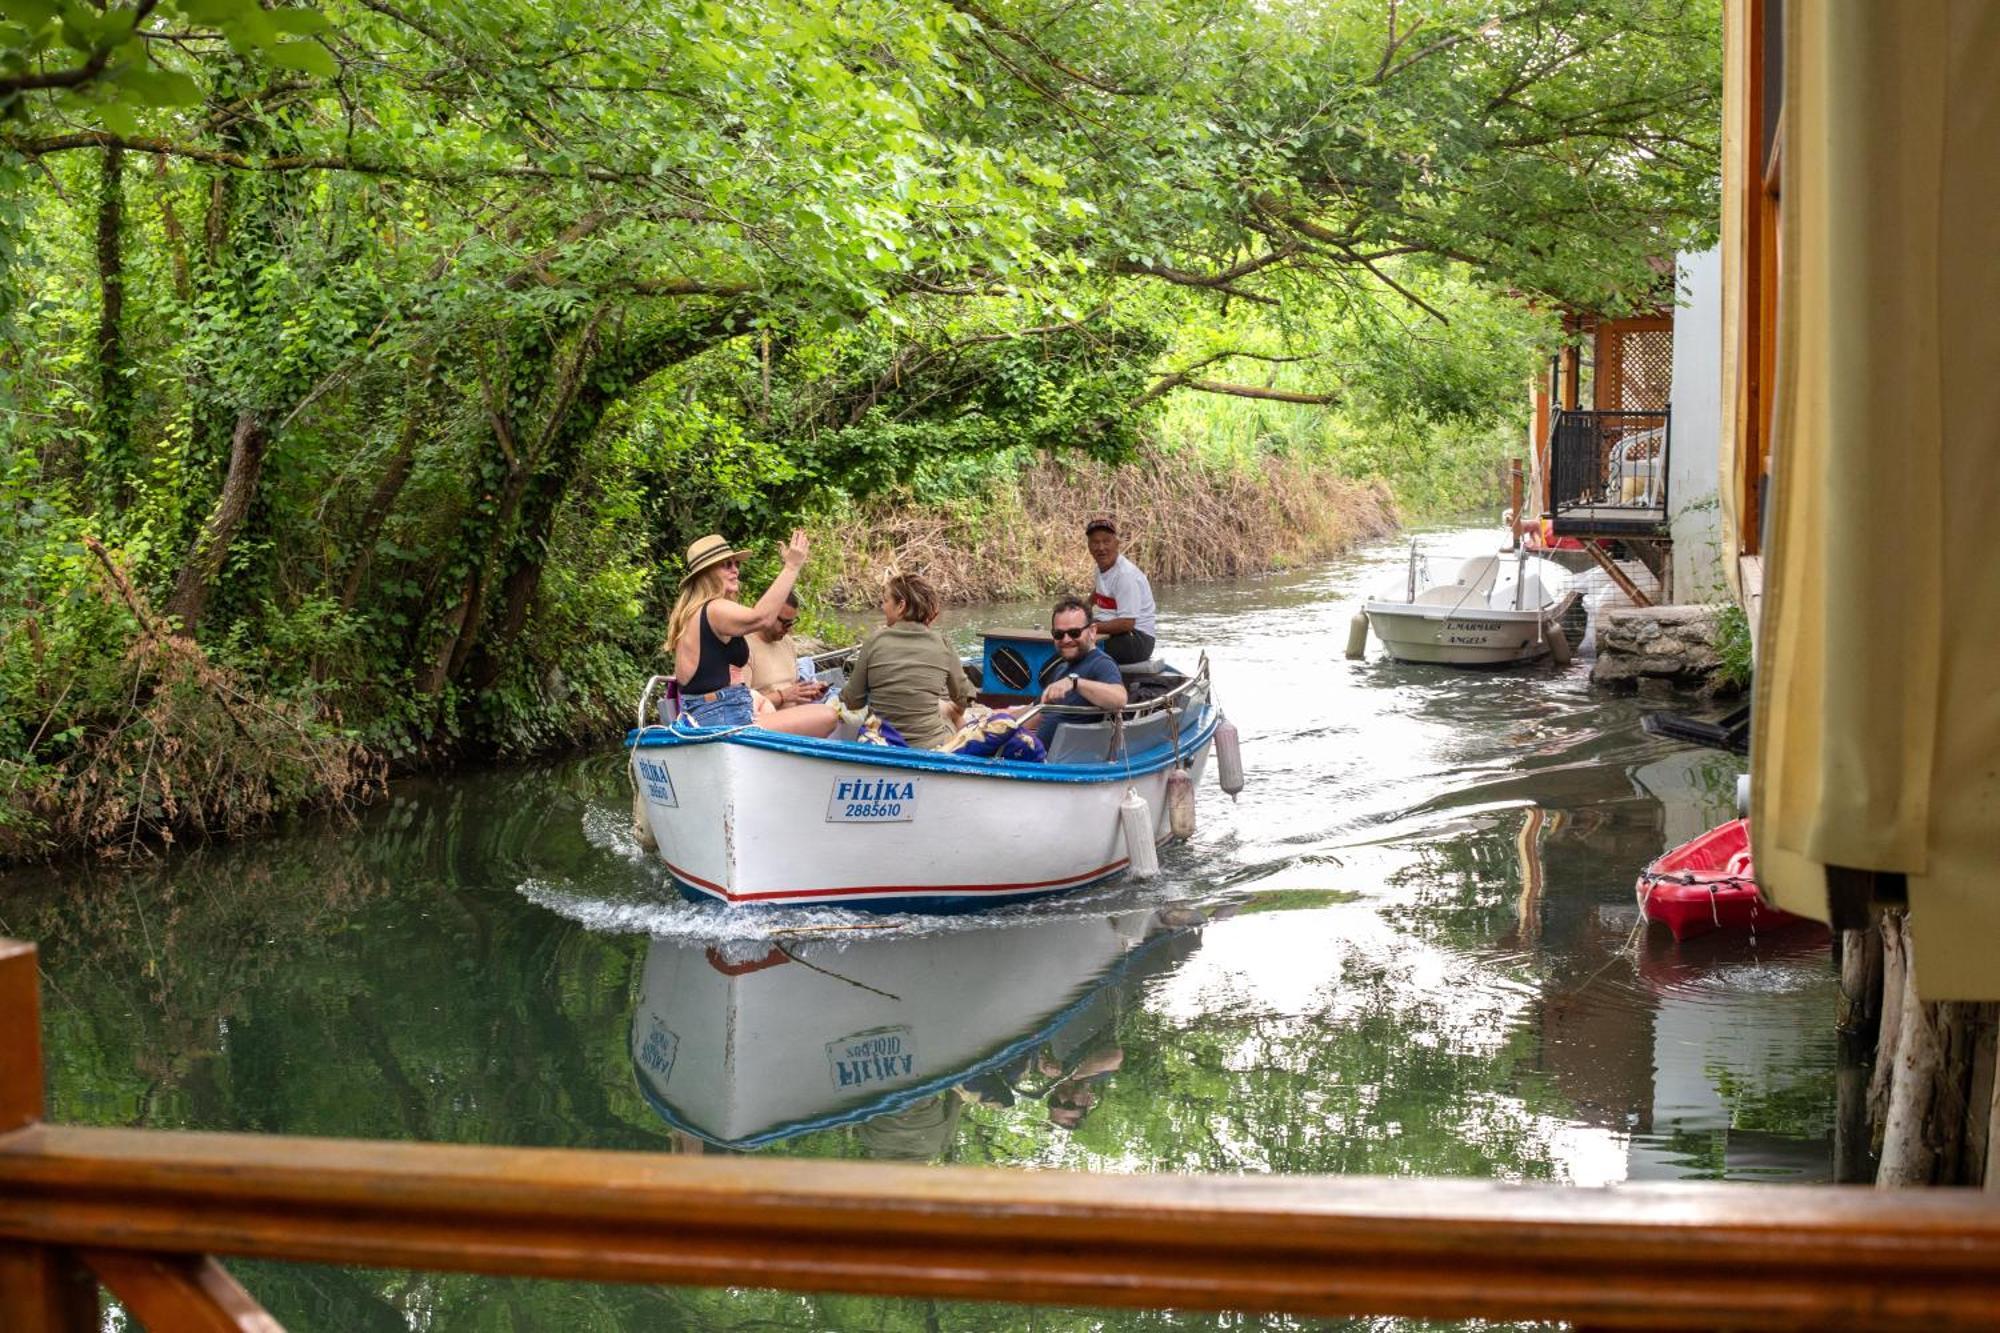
(797, 549)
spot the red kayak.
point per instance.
(1708, 884)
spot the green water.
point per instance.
(1409, 949)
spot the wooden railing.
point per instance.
(143, 1211)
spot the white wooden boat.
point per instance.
(743, 1043)
(749, 816)
(1494, 610)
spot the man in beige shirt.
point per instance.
(774, 661)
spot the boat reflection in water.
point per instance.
(744, 1043)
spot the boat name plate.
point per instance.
(879, 1055)
(659, 786)
(872, 800)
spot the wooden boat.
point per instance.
(743, 1043)
(1495, 610)
(1709, 884)
(749, 816)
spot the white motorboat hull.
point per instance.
(1476, 638)
(1497, 611)
(754, 817)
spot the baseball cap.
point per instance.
(1104, 521)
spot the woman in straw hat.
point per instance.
(706, 635)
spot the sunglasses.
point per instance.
(1060, 634)
(784, 623)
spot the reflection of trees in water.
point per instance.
(1379, 1084)
(383, 981)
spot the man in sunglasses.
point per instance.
(1083, 676)
(774, 662)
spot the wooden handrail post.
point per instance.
(180, 1292)
(20, 1036)
(43, 1288)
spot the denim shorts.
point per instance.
(730, 707)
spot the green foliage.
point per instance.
(1732, 645)
(445, 327)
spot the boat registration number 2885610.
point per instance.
(872, 800)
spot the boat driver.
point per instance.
(1086, 676)
(1123, 599)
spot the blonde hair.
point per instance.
(914, 591)
(703, 588)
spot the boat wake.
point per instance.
(650, 906)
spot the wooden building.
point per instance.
(1603, 432)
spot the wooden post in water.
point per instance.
(43, 1288)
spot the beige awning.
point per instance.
(1877, 741)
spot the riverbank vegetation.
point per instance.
(392, 353)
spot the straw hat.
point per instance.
(707, 553)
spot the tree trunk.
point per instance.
(211, 546)
(114, 463)
(1979, 1036)
(170, 223)
(1950, 1120)
(1993, 1123)
(390, 486)
(530, 549)
(1908, 1157)
(1895, 973)
(1860, 981)
(1860, 1006)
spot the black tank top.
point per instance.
(711, 668)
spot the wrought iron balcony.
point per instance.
(1608, 472)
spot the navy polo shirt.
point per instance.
(1094, 665)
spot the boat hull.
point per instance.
(1709, 884)
(1462, 638)
(760, 819)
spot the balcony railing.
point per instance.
(1608, 472)
(143, 1211)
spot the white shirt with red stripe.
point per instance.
(1122, 591)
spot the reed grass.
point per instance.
(1183, 516)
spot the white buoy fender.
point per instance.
(1357, 634)
(1743, 796)
(1135, 817)
(1558, 645)
(1180, 803)
(1228, 757)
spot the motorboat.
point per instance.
(742, 1043)
(745, 815)
(1494, 610)
(1707, 884)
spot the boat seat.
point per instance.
(1152, 666)
(1079, 743)
(1093, 742)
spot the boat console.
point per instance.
(1014, 665)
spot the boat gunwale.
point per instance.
(1140, 763)
(1554, 610)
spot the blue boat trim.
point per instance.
(897, 1099)
(1149, 760)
